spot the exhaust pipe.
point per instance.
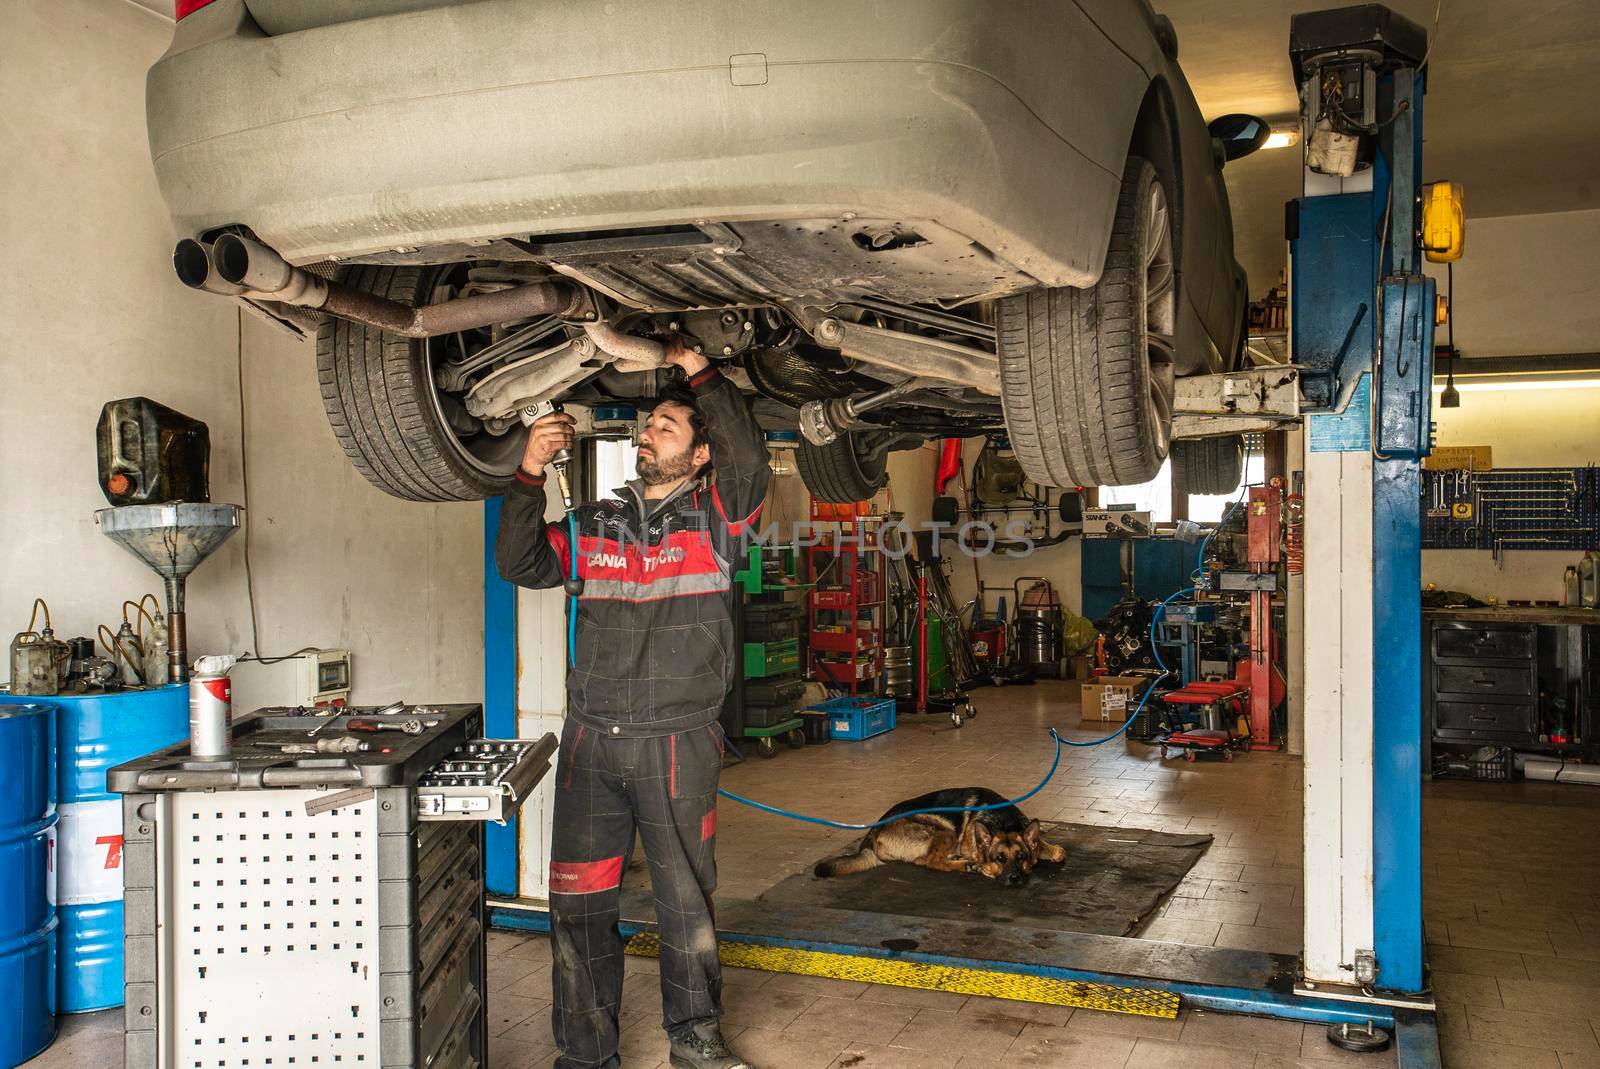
(238, 267)
(631, 352)
(197, 269)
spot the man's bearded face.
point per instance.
(666, 446)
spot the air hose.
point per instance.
(912, 812)
(572, 598)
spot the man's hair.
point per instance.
(678, 394)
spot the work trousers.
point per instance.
(608, 787)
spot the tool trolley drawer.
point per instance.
(1483, 681)
(1485, 719)
(1476, 642)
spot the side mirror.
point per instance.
(1239, 134)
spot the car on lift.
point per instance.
(936, 217)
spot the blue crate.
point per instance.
(858, 718)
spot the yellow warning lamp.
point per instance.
(1444, 222)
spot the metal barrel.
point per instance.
(27, 905)
(1039, 637)
(94, 733)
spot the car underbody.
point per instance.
(718, 291)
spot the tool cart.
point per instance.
(290, 907)
(764, 704)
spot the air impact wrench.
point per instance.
(572, 585)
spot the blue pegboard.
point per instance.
(1511, 508)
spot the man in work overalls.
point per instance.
(641, 748)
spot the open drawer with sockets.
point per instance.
(431, 748)
(317, 896)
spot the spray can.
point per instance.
(210, 715)
(1571, 596)
(1589, 581)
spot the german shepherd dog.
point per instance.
(1001, 844)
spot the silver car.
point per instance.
(923, 217)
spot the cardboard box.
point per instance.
(1111, 699)
(1116, 523)
(1473, 457)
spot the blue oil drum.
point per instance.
(96, 732)
(27, 910)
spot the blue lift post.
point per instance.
(1363, 331)
(1360, 297)
(499, 696)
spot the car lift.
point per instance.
(1360, 384)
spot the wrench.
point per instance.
(410, 727)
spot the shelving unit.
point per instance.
(845, 609)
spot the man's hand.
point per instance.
(682, 356)
(548, 436)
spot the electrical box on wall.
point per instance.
(315, 677)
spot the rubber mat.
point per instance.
(1112, 879)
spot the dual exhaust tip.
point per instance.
(238, 267)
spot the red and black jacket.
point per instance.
(654, 652)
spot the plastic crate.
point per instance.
(1490, 764)
(858, 718)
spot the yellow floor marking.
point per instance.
(961, 980)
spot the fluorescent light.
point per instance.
(1521, 384)
(1282, 139)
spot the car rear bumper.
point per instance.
(515, 118)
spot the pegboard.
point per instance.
(271, 933)
(1511, 508)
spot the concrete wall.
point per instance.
(89, 311)
(1527, 284)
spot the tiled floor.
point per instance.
(1512, 906)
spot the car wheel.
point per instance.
(1086, 375)
(1208, 465)
(408, 438)
(852, 467)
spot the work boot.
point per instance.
(702, 1047)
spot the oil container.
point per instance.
(150, 454)
(28, 918)
(94, 732)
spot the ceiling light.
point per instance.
(1282, 139)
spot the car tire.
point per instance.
(1086, 375)
(379, 393)
(1208, 465)
(847, 469)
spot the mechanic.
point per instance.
(641, 747)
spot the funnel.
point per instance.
(172, 540)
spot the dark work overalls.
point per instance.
(641, 749)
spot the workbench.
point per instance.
(1524, 677)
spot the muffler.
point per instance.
(238, 267)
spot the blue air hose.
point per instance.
(912, 812)
(572, 599)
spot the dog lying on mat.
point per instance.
(1001, 844)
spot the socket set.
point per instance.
(485, 779)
